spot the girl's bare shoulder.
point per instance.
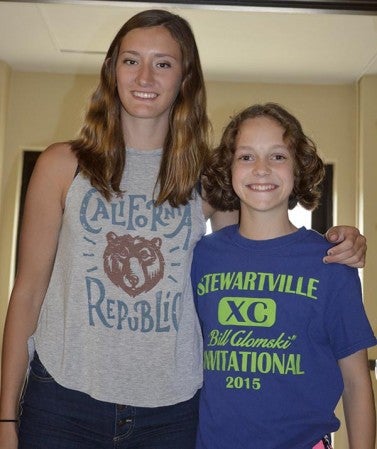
(58, 160)
(57, 165)
(59, 155)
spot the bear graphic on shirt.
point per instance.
(134, 264)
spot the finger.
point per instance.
(333, 236)
(350, 257)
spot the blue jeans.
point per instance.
(54, 417)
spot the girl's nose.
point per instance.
(145, 75)
(261, 168)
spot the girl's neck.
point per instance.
(144, 134)
(264, 225)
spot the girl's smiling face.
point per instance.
(263, 166)
(148, 73)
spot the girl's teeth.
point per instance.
(262, 187)
(145, 94)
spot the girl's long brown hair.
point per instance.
(308, 166)
(100, 146)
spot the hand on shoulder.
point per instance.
(350, 246)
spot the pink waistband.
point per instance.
(319, 445)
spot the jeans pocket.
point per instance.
(38, 371)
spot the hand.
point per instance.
(350, 249)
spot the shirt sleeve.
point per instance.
(347, 324)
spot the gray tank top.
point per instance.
(118, 320)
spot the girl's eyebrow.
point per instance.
(243, 147)
(278, 146)
(157, 55)
(273, 147)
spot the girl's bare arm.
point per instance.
(358, 401)
(42, 218)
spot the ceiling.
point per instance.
(236, 43)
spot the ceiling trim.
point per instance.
(314, 6)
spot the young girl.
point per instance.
(103, 289)
(282, 331)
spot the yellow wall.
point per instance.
(4, 90)
(44, 108)
(4, 256)
(367, 186)
(367, 190)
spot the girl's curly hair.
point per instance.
(309, 169)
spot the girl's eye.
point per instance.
(245, 157)
(164, 65)
(129, 61)
(279, 157)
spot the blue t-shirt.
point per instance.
(275, 321)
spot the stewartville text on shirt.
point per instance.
(258, 281)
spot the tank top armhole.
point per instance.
(77, 171)
(198, 188)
